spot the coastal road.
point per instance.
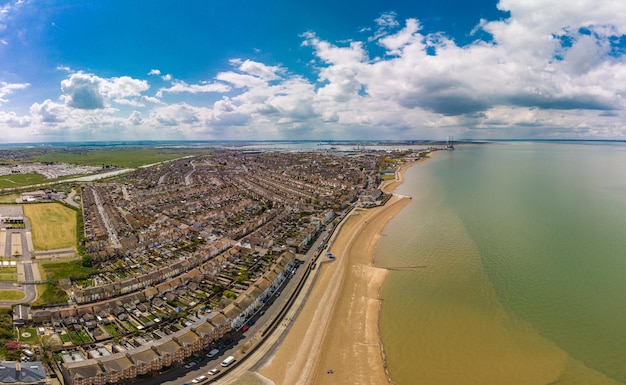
(263, 335)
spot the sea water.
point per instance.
(508, 267)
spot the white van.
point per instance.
(229, 360)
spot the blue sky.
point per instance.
(112, 70)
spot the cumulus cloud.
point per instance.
(547, 69)
(12, 120)
(83, 91)
(179, 114)
(227, 113)
(49, 112)
(89, 92)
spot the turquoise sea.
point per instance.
(517, 267)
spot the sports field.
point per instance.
(53, 226)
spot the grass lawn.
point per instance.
(8, 274)
(111, 329)
(50, 294)
(74, 337)
(9, 198)
(84, 336)
(65, 338)
(74, 270)
(17, 180)
(27, 335)
(11, 295)
(53, 225)
(133, 157)
(129, 326)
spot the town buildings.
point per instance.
(188, 249)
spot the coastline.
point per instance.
(336, 333)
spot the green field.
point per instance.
(9, 198)
(129, 157)
(53, 226)
(11, 295)
(17, 180)
(74, 270)
(8, 274)
(50, 294)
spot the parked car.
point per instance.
(212, 353)
(213, 372)
(199, 380)
(190, 365)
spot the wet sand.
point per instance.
(335, 337)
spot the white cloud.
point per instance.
(83, 91)
(227, 113)
(551, 70)
(5, 12)
(14, 121)
(387, 20)
(151, 99)
(182, 87)
(157, 72)
(180, 114)
(408, 35)
(239, 80)
(49, 112)
(8, 88)
(124, 87)
(89, 92)
(135, 118)
(259, 70)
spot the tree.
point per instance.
(87, 260)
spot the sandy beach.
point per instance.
(334, 338)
